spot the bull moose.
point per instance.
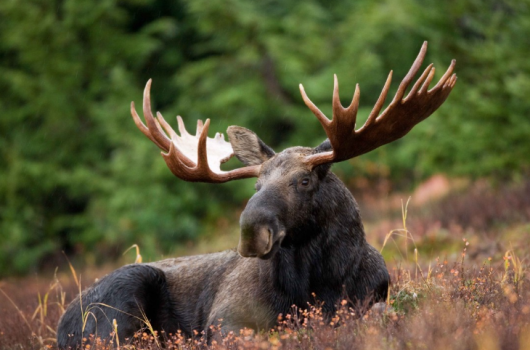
(301, 232)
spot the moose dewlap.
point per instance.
(301, 233)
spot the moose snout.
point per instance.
(261, 233)
(255, 242)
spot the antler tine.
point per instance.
(410, 75)
(143, 128)
(202, 156)
(320, 116)
(354, 104)
(338, 109)
(453, 80)
(200, 125)
(446, 75)
(182, 128)
(166, 126)
(420, 81)
(154, 129)
(427, 82)
(380, 102)
(159, 126)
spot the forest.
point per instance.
(76, 176)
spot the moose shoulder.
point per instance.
(301, 233)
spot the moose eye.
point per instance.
(305, 182)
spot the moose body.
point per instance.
(327, 255)
(301, 238)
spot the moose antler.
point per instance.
(396, 120)
(191, 158)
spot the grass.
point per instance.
(453, 286)
(454, 303)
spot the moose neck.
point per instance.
(317, 256)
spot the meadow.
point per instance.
(458, 265)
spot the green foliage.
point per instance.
(76, 175)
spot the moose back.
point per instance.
(301, 233)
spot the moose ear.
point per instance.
(248, 147)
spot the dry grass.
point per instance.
(492, 218)
(444, 295)
(448, 304)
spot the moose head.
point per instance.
(288, 181)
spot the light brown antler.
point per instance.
(192, 158)
(395, 122)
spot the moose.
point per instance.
(301, 233)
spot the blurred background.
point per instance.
(76, 176)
